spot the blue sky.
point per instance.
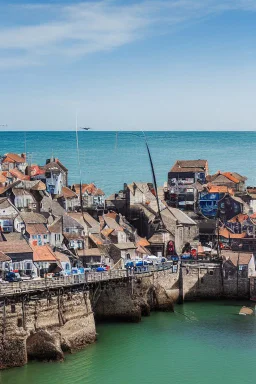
(128, 65)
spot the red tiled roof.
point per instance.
(4, 257)
(35, 170)
(106, 232)
(143, 242)
(96, 239)
(91, 189)
(112, 215)
(13, 158)
(2, 178)
(14, 243)
(231, 177)
(18, 174)
(219, 188)
(36, 229)
(224, 232)
(43, 253)
(68, 193)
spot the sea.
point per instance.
(201, 342)
(110, 159)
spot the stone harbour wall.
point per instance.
(44, 329)
(129, 300)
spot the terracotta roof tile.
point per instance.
(91, 189)
(107, 231)
(3, 178)
(15, 243)
(43, 253)
(219, 188)
(13, 158)
(4, 257)
(224, 232)
(68, 193)
(96, 239)
(18, 174)
(143, 242)
(33, 218)
(231, 177)
(36, 229)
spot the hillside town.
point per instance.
(49, 227)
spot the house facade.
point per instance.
(184, 180)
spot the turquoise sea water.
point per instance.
(210, 344)
(109, 162)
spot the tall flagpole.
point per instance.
(79, 166)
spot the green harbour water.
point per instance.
(202, 342)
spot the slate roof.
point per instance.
(55, 164)
(71, 222)
(177, 215)
(111, 223)
(85, 218)
(189, 166)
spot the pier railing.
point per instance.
(86, 278)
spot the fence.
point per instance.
(89, 277)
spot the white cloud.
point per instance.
(78, 29)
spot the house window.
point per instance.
(211, 272)
(34, 237)
(128, 256)
(202, 280)
(45, 236)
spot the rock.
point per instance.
(78, 333)
(43, 345)
(13, 352)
